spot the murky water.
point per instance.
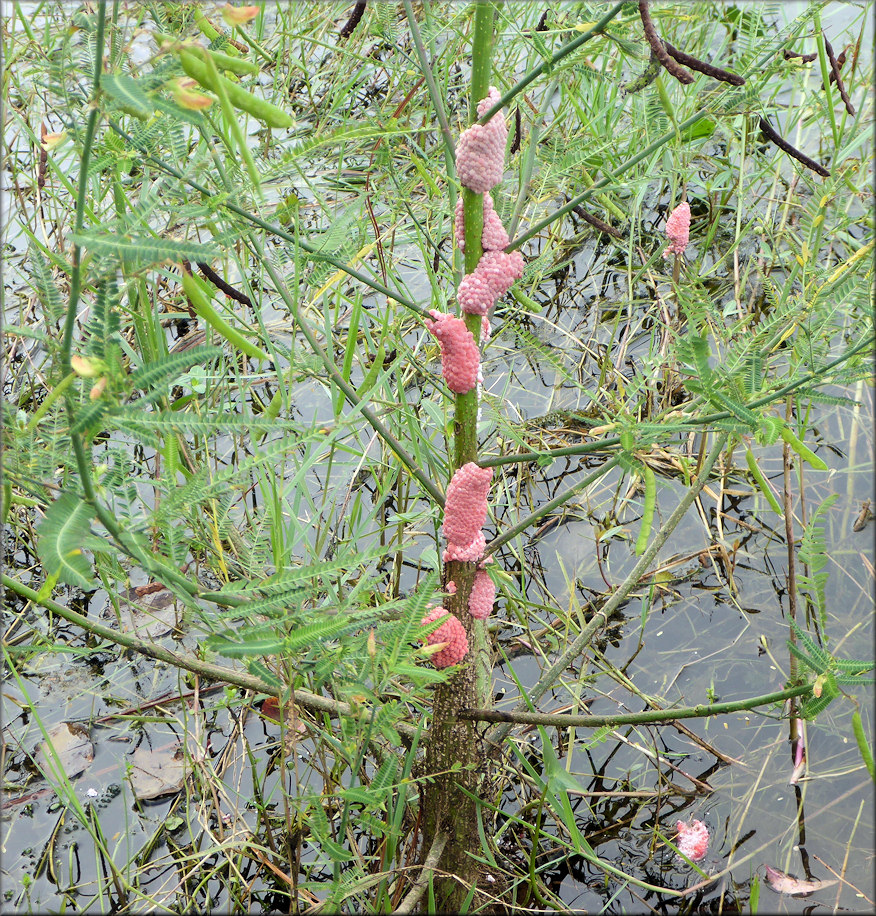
(702, 630)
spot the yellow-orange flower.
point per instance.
(187, 97)
(238, 15)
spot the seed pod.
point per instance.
(260, 109)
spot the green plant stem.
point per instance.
(535, 73)
(654, 716)
(271, 228)
(481, 56)
(79, 222)
(549, 678)
(349, 391)
(557, 501)
(333, 708)
(434, 93)
(454, 755)
(585, 448)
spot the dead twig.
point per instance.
(682, 75)
(835, 73)
(353, 21)
(725, 76)
(792, 151)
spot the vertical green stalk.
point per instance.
(454, 754)
(90, 128)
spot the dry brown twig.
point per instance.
(682, 75)
(835, 73)
(792, 151)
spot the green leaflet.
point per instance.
(127, 94)
(813, 552)
(62, 531)
(170, 367)
(45, 285)
(145, 249)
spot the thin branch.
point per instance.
(650, 716)
(725, 76)
(333, 708)
(348, 390)
(434, 94)
(630, 163)
(549, 678)
(792, 151)
(546, 65)
(657, 46)
(543, 510)
(272, 228)
(412, 898)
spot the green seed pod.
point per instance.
(235, 64)
(201, 304)
(648, 511)
(806, 454)
(196, 67)
(762, 483)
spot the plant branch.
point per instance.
(437, 101)
(588, 447)
(333, 708)
(550, 677)
(271, 228)
(658, 716)
(90, 129)
(546, 65)
(412, 898)
(346, 387)
(634, 160)
(543, 510)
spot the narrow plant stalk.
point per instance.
(450, 804)
(651, 716)
(348, 390)
(271, 228)
(333, 708)
(413, 896)
(79, 221)
(546, 65)
(547, 507)
(549, 678)
(612, 176)
(434, 94)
